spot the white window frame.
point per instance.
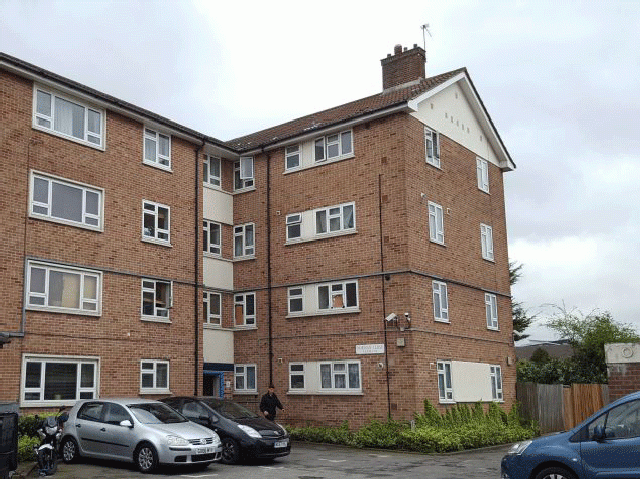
(154, 373)
(436, 223)
(491, 309)
(36, 296)
(158, 234)
(334, 373)
(39, 118)
(244, 374)
(37, 208)
(335, 289)
(297, 373)
(445, 391)
(482, 172)
(160, 160)
(208, 246)
(293, 220)
(86, 392)
(496, 383)
(432, 147)
(329, 215)
(293, 294)
(440, 301)
(292, 151)
(243, 174)
(248, 320)
(324, 142)
(161, 314)
(486, 241)
(208, 177)
(240, 231)
(212, 319)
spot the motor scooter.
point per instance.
(50, 432)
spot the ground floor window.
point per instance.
(245, 378)
(496, 383)
(325, 377)
(154, 376)
(57, 380)
(445, 388)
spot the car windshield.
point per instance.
(229, 409)
(156, 413)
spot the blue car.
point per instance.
(607, 445)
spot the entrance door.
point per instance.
(212, 384)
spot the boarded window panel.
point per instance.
(239, 314)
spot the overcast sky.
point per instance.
(561, 81)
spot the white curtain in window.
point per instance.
(69, 118)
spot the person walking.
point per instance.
(269, 403)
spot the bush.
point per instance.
(25, 448)
(28, 424)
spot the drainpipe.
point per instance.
(384, 305)
(196, 279)
(270, 317)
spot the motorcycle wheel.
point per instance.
(50, 463)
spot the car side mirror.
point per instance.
(599, 433)
(213, 419)
(64, 417)
(126, 423)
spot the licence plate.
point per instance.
(205, 450)
(280, 444)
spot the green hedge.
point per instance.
(25, 448)
(28, 436)
(459, 428)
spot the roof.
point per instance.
(341, 114)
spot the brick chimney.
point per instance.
(403, 66)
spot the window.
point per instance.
(333, 146)
(335, 219)
(245, 309)
(155, 222)
(156, 299)
(63, 289)
(341, 376)
(245, 375)
(496, 383)
(445, 388)
(65, 202)
(336, 296)
(296, 303)
(621, 422)
(491, 307)
(212, 237)
(294, 226)
(482, 169)
(486, 239)
(440, 302)
(49, 379)
(157, 149)
(68, 118)
(432, 147)
(292, 157)
(244, 241)
(211, 307)
(243, 173)
(436, 223)
(296, 376)
(154, 376)
(211, 171)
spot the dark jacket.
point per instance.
(269, 403)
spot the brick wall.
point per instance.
(623, 379)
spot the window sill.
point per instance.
(243, 258)
(215, 327)
(244, 190)
(53, 309)
(47, 403)
(155, 319)
(332, 392)
(36, 216)
(212, 187)
(439, 243)
(431, 163)
(485, 191)
(158, 242)
(490, 260)
(443, 321)
(70, 138)
(331, 312)
(251, 327)
(493, 329)
(213, 256)
(449, 401)
(245, 393)
(158, 166)
(319, 237)
(155, 391)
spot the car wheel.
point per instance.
(69, 450)
(145, 457)
(230, 451)
(555, 473)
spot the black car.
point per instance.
(244, 434)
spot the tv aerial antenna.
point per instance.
(425, 30)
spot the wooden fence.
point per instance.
(556, 407)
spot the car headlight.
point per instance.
(282, 427)
(251, 432)
(177, 441)
(519, 447)
(216, 440)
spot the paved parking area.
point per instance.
(315, 461)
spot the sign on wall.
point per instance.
(369, 348)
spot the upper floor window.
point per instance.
(294, 226)
(55, 379)
(212, 237)
(155, 221)
(296, 376)
(154, 376)
(491, 307)
(212, 308)
(496, 383)
(63, 289)
(245, 309)
(335, 218)
(243, 173)
(245, 377)
(338, 295)
(333, 146)
(482, 170)
(211, 174)
(292, 157)
(156, 299)
(486, 240)
(244, 240)
(296, 299)
(440, 301)
(157, 148)
(445, 387)
(68, 118)
(432, 147)
(65, 202)
(436, 223)
(341, 376)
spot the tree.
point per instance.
(521, 320)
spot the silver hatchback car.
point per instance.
(141, 431)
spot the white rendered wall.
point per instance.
(218, 346)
